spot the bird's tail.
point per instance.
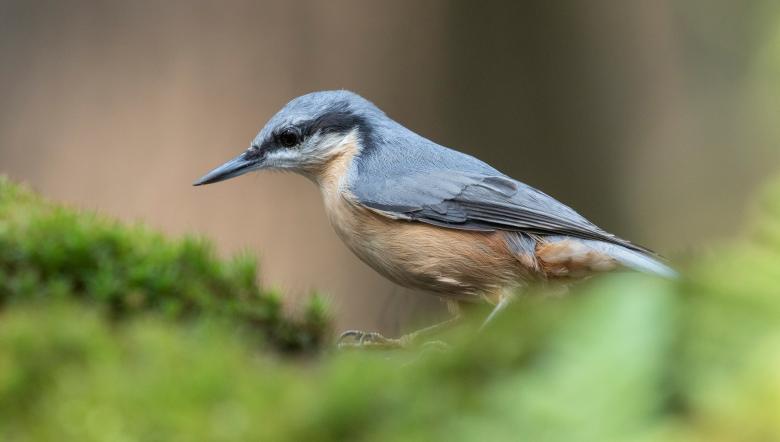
(634, 259)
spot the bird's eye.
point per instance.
(289, 138)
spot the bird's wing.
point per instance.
(478, 201)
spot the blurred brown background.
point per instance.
(655, 119)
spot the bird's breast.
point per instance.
(454, 263)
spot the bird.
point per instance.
(425, 216)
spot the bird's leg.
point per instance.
(506, 298)
(373, 340)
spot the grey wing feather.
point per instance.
(479, 201)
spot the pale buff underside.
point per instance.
(457, 264)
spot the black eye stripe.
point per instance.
(337, 120)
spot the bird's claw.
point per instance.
(367, 340)
(357, 339)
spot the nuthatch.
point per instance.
(425, 216)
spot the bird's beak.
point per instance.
(237, 166)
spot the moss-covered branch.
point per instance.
(49, 252)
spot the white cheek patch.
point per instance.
(283, 159)
(335, 143)
(309, 146)
(319, 148)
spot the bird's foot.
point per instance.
(357, 339)
(368, 340)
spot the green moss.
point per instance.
(623, 358)
(50, 252)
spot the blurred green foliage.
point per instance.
(48, 253)
(624, 358)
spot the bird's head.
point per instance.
(304, 135)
